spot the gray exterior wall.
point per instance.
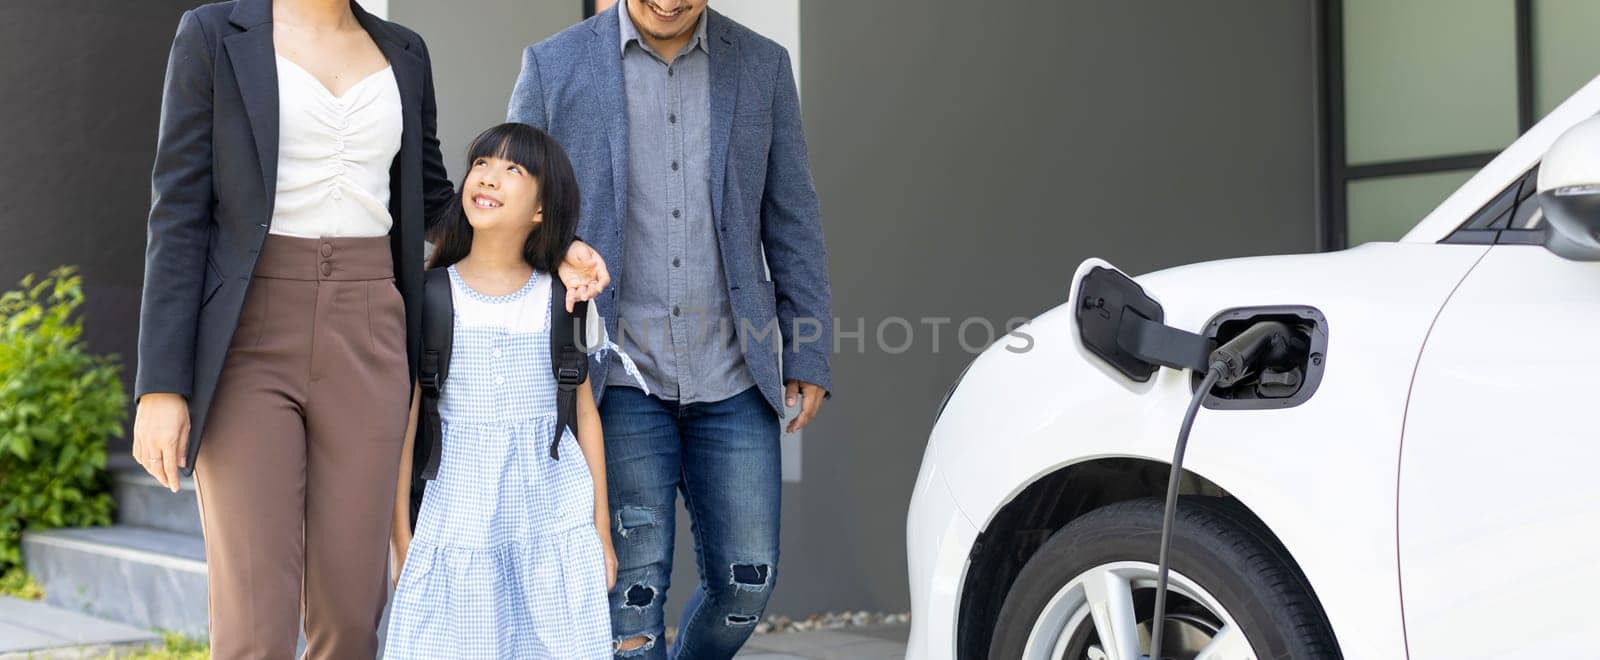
(82, 96)
(968, 156)
(476, 46)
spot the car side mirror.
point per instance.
(1573, 214)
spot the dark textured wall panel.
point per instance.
(969, 156)
(82, 83)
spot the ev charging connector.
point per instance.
(1122, 325)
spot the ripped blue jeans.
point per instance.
(724, 457)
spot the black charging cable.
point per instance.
(1171, 510)
(1267, 341)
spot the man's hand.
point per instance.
(161, 436)
(811, 400)
(584, 273)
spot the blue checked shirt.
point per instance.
(673, 309)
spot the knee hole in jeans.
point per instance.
(633, 646)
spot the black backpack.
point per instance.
(568, 360)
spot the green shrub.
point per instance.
(58, 406)
(174, 646)
(16, 583)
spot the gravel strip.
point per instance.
(774, 623)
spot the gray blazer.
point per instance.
(214, 183)
(762, 199)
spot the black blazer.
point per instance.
(214, 184)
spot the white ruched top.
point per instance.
(334, 154)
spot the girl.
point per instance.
(512, 551)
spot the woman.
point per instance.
(296, 172)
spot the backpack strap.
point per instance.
(567, 358)
(438, 326)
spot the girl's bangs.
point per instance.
(508, 143)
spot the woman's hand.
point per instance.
(161, 436)
(584, 273)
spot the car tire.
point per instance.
(1220, 560)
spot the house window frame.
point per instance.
(1337, 173)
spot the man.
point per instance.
(684, 128)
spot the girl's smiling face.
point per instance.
(519, 187)
(500, 194)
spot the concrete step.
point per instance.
(144, 577)
(139, 576)
(31, 629)
(143, 502)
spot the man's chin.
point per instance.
(668, 36)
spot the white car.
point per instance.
(1422, 484)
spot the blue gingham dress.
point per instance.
(506, 561)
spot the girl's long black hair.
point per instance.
(542, 157)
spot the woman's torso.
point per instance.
(334, 154)
(215, 181)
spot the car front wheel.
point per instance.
(1089, 591)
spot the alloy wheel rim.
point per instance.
(1104, 613)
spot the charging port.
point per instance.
(1293, 373)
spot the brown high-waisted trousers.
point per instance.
(296, 472)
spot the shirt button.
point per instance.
(674, 166)
(672, 118)
(675, 213)
(669, 72)
(674, 262)
(498, 380)
(327, 268)
(338, 195)
(496, 353)
(327, 249)
(675, 310)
